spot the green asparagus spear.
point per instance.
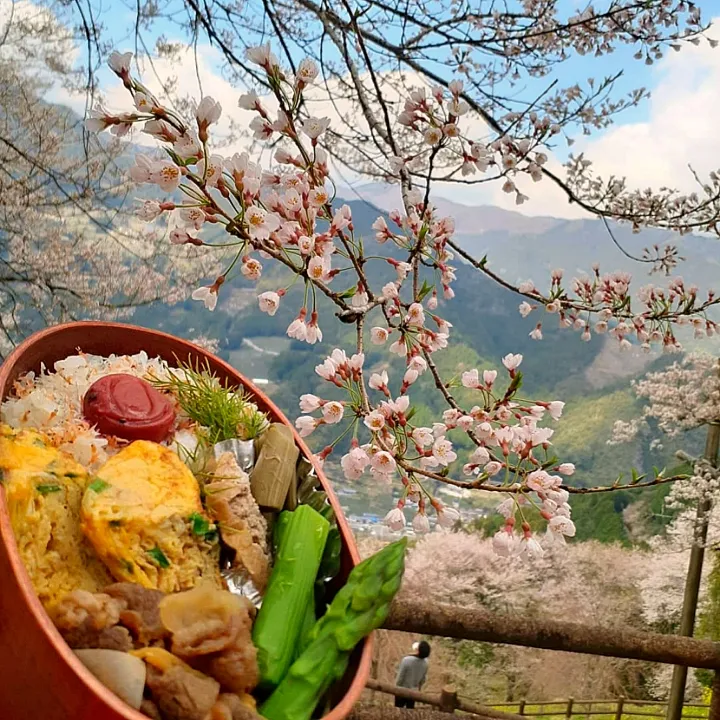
(361, 606)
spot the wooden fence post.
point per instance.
(568, 711)
(619, 709)
(521, 710)
(448, 699)
(714, 712)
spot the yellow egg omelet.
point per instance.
(137, 513)
(44, 489)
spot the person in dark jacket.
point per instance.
(412, 672)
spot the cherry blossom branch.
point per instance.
(285, 214)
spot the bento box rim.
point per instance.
(357, 685)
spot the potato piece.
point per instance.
(118, 671)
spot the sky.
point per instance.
(652, 145)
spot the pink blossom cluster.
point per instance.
(603, 303)
(511, 447)
(436, 116)
(597, 303)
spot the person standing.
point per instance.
(412, 672)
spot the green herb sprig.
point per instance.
(227, 413)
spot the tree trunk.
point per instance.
(692, 582)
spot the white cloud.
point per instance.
(681, 129)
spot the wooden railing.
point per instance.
(425, 618)
(449, 701)
(617, 708)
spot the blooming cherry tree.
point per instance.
(285, 214)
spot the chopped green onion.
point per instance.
(98, 485)
(211, 536)
(47, 489)
(200, 526)
(159, 557)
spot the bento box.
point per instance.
(40, 676)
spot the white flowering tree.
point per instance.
(595, 584)
(684, 397)
(69, 247)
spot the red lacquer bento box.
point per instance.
(40, 677)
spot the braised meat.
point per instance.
(243, 528)
(232, 707)
(89, 620)
(149, 708)
(180, 693)
(141, 614)
(211, 630)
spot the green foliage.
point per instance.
(598, 516)
(709, 619)
(583, 432)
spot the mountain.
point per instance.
(593, 378)
(521, 247)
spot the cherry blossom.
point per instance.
(298, 327)
(383, 462)
(309, 403)
(421, 524)
(263, 56)
(314, 127)
(165, 175)
(395, 519)
(120, 63)
(206, 295)
(306, 424)
(251, 269)
(447, 517)
(375, 421)
(442, 451)
(269, 302)
(150, 210)
(512, 362)
(307, 71)
(207, 112)
(379, 381)
(333, 412)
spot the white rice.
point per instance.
(52, 402)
